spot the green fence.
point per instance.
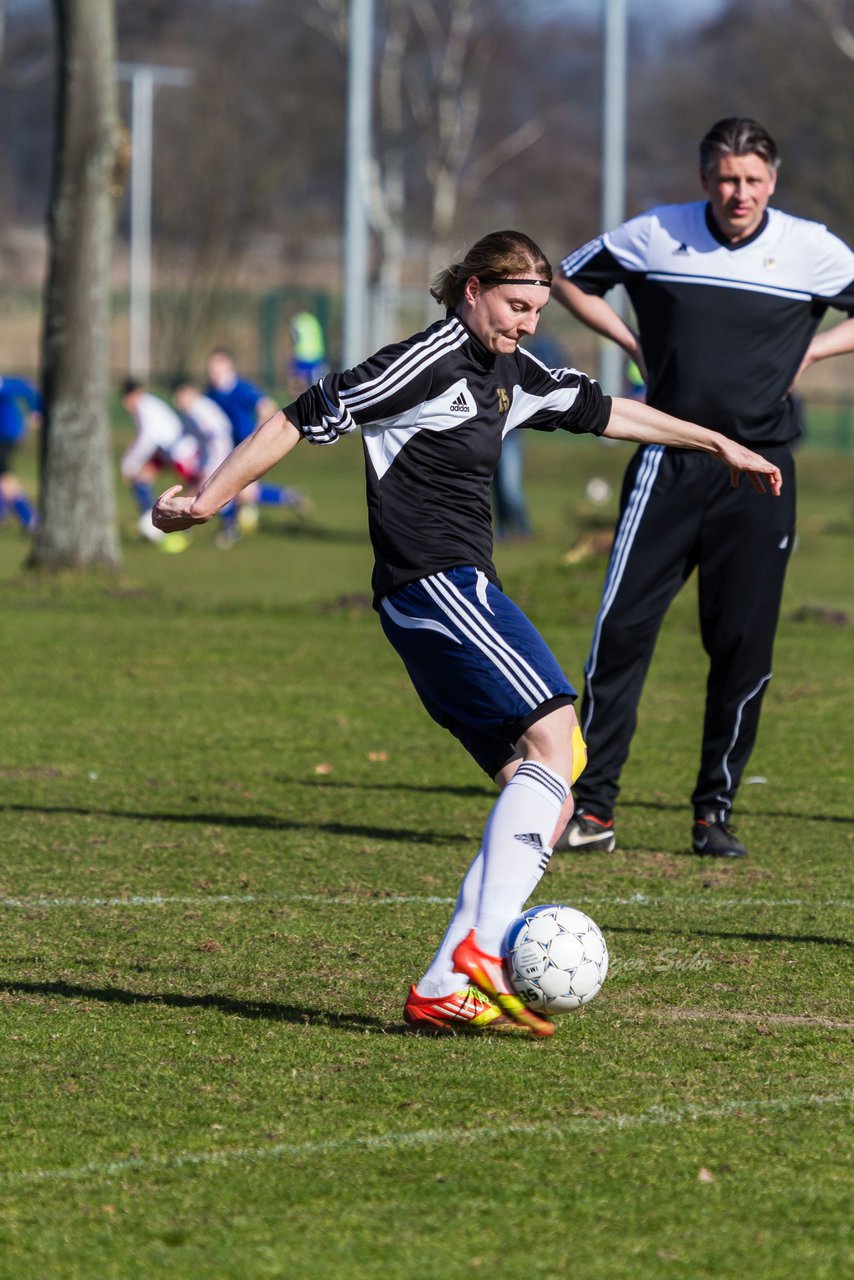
(829, 426)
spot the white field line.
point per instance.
(394, 900)
(667, 1014)
(657, 1116)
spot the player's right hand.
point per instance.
(758, 469)
(172, 513)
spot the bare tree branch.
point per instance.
(505, 150)
(41, 68)
(831, 13)
(330, 18)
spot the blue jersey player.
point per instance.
(18, 399)
(245, 406)
(433, 412)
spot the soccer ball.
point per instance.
(598, 490)
(555, 957)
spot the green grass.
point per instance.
(228, 835)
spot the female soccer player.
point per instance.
(433, 411)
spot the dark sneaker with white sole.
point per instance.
(713, 837)
(584, 831)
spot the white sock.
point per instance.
(517, 848)
(441, 978)
(528, 806)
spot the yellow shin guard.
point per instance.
(579, 754)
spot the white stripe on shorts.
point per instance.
(416, 624)
(520, 674)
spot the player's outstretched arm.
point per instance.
(252, 458)
(632, 420)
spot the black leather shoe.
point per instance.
(713, 837)
(583, 831)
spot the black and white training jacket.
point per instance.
(433, 411)
(723, 326)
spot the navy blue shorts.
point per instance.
(482, 670)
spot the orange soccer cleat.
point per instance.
(487, 974)
(461, 1010)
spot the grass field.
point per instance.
(229, 839)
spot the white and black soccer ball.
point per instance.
(555, 957)
(597, 490)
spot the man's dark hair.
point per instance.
(738, 136)
(129, 386)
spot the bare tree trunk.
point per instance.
(78, 519)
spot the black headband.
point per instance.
(546, 284)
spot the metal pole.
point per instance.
(142, 109)
(356, 212)
(143, 80)
(611, 357)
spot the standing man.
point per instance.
(728, 296)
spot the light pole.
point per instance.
(611, 357)
(358, 176)
(144, 79)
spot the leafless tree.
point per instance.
(433, 63)
(447, 102)
(840, 25)
(485, 114)
(78, 523)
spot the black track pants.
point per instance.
(678, 511)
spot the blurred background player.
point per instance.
(162, 441)
(19, 400)
(204, 418)
(728, 296)
(308, 351)
(635, 379)
(246, 406)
